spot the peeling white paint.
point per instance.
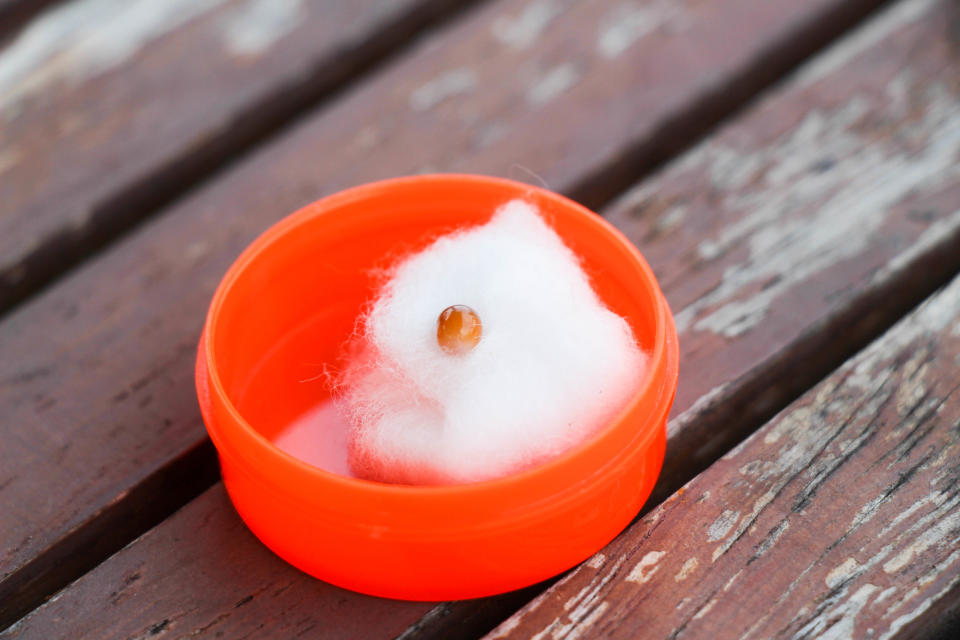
(936, 571)
(255, 26)
(596, 561)
(732, 170)
(874, 31)
(583, 609)
(576, 628)
(722, 525)
(587, 597)
(918, 610)
(837, 623)
(802, 221)
(909, 393)
(688, 567)
(733, 579)
(945, 531)
(645, 569)
(845, 570)
(507, 627)
(931, 318)
(79, 40)
(671, 218)
(886, 593)
(791, 421)
(752, 468)
(622, 27)
(936, 498)
(551, 84)
(758, 505)
(446, 85)
(705, 609)
(867, 511)
(522, 31)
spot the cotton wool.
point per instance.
(552, 366)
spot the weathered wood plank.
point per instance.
(839, 519)
(780, 239)
(109, 109)
(262, 599)
(748, 169)
(827, 302)
(757, 190)
(111, 385)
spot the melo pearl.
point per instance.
(458, 329)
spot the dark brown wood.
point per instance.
(163, 492)
(103, 119)
(839, 519)
(828, 302)
(241, 591)
(100, 366)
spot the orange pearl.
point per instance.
(458, 329)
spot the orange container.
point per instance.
(284, 310)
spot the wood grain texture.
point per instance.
(240, 592)
(832, 309)
(900, 73)
(94, 154)
(101, 364)
(109, 109)
(839, 519)
(796, 233)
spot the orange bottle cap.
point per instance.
(307, 278)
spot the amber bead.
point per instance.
(458, 329)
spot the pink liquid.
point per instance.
(318, 437)
(287, 395)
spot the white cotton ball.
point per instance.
(553, 364)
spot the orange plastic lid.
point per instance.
(280, 317)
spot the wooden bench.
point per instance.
(789, 169)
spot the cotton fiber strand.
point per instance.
(553, 364)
